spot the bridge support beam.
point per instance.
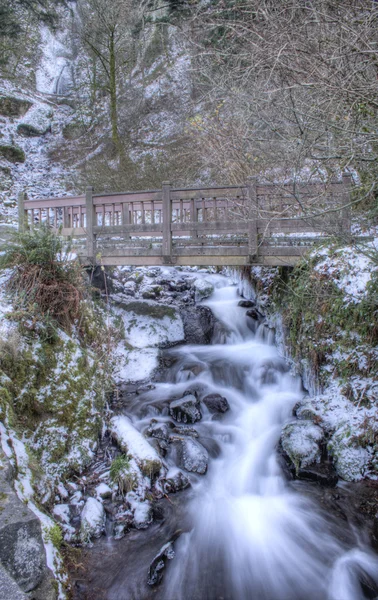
(90, 223)
(253, 247)
(167, 221)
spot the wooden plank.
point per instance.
(137, 230)
(119, 198)
(55, 202)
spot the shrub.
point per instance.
(42, 278)
(121, 475)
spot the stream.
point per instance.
(241, 531)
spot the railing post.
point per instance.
(90, 223)
(345, 213)
(167, 220)
(253, 248)
(22, 217)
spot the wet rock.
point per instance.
(254, 314)
(202, 289)
(186, 409)
(92, 520)
(161, 431)
(191, 455)
(216, 403)
(175, 481)
(185, 431)
(155, 572)
(198, 324)
(246, 303)
(325, 474)
(145, 388)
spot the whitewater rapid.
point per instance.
(252, 535)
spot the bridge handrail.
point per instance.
(254, 209)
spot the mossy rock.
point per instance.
(73, 131)
(156, 311)
(13, 107)
(14, 154)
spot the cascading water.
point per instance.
(247, 534)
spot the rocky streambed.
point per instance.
(195, 492)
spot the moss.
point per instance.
(156, 311)
(13, 107)
(14, 154)
(54, 535)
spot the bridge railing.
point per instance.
(253, 211)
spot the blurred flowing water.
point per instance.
(247, 534)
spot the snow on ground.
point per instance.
(350, 268)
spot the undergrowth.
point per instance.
(319, 320)
(43, 281)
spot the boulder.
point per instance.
(9, 590)
(301, 441)
(202, 289)
(13, 107)
(246, 303)
(161, 431)
(36, 122)
(198, 324)
(253, 313)
(216, 403)
(191, 455)
(186, 409)
(92, 520)
(22, 552)
(175, 481)
(155, 572)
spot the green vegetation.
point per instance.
(43, 281)
(54, 535)
(12, 153)
(121, 475)
(319, 320)
(156, 311)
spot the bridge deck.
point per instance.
(236, 225)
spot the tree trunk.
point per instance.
(113, 96)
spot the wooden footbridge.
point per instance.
(254, 223)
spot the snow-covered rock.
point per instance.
(36, 122)
(301, 442)
(149, 324)
(103, 491)
(92, 519)
(203, 289)
(142, 511)
(191, 455)
(62, 513)
(186, 409)
(131, 441)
